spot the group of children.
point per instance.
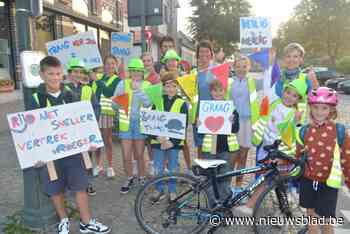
(320, 137)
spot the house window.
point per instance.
(80, 6)
(93, 7)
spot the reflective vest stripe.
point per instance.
(334, 179)
(231, 141)
(36, 98)
(254, 105)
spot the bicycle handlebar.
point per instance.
(274, 153)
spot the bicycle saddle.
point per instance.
(209, 163)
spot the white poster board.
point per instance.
(214, 117)
(167, 124)
(52, 133)
(30, 65)
(255, 32)
(82, 45)
(121, 44)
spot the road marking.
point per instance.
(346, 191)
(346, 214)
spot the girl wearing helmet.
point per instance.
(132, 140)
(328, 148)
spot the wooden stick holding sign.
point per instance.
(87, 160)
(52, 170)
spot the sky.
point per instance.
(277, 10)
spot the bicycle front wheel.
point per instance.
(276, 211)
(172, 204)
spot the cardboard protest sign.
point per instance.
(255, 32)
(214, 117)
(121, 44)
(167, 124)
(82, 45)
(55, 132)
(30, 65)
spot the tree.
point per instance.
(218, 21)
(321, 26)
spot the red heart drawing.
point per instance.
(214, 124)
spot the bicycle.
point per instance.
(190, 212)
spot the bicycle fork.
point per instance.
(281, 192)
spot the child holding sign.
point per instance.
(278, 123)
(70, 170)
(133, 141)
(221, 146)
(164, 148)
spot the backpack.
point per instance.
(340, 133)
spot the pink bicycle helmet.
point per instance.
(323, 95)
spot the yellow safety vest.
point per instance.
(176, 108)
(124, 118)
(260, 126)
(36, 98)
(231, 141)
(253, 98)
(86, 92)
(105, 103)
(334, 179)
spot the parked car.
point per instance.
(344, 86)
(323, 74)
(334, 82)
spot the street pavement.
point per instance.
(109, 206)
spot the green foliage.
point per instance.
(14, 225)
(343, 65)
(218, 21)
(72, 211)
(322, 27)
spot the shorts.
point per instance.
(134, 132)
(323, 200)
(244, 135)
(106, 121)
(71, 174)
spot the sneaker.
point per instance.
(110, 172)
(126, 187)
(157, 196)
(189, 172)
(63, 226)
(94, 227)
(172, 196)
(245, 210)
(96, 171)
(90, 190)
(142, 181)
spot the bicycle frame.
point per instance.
(230, 201)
